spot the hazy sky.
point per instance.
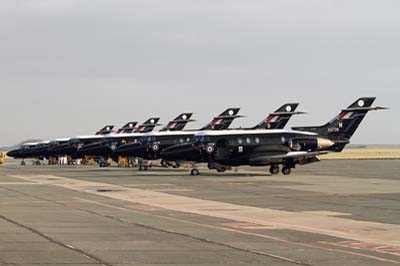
(69, 67)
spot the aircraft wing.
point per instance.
(299, 156)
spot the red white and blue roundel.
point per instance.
(155, 147)
(345, 115)
(272, 118)
(210, 149)
(216, 121)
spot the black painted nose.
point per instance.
(186, 151)
(128, 149)
(12, 153)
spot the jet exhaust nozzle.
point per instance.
(324, 144)
(310, 144)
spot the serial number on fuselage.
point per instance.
(333, 129)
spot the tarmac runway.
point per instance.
(330, 213)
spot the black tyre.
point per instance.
(274, 169)
(286, 171)
(221, 170)
(164, 163)
(194, 172)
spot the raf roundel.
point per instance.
(361, 103)
(155, 147)
(131, 125)
(210, 149)
(152, 121)
(288, 108)
(230, 112)
(184, 117)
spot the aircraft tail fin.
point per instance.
(279, 118)
(105, 130)
(178, 123)
(224, 120)
(148, 126)
(343, 126)
(128, 128)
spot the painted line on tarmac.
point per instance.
(364, 231)
(236, 231)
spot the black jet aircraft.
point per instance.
(151, 145)
(78, 144)
(46, 149)
(70, 147)
(148, 146)
(275, 147)
(26, 151)
(183, 150)
(102, 150)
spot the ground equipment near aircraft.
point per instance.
(2, 157)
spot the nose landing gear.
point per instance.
(194, 172)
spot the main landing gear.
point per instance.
(286, 169)
(274, 170)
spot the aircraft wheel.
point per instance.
(221, 170)
(103, 164)
(164, 163)
(286, 170)
(194, 172)
(274, 169)
(143, 168)
(23, 163)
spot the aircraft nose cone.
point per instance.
(185, 151)
(12, 153)
(90, 147)
(128, 149)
